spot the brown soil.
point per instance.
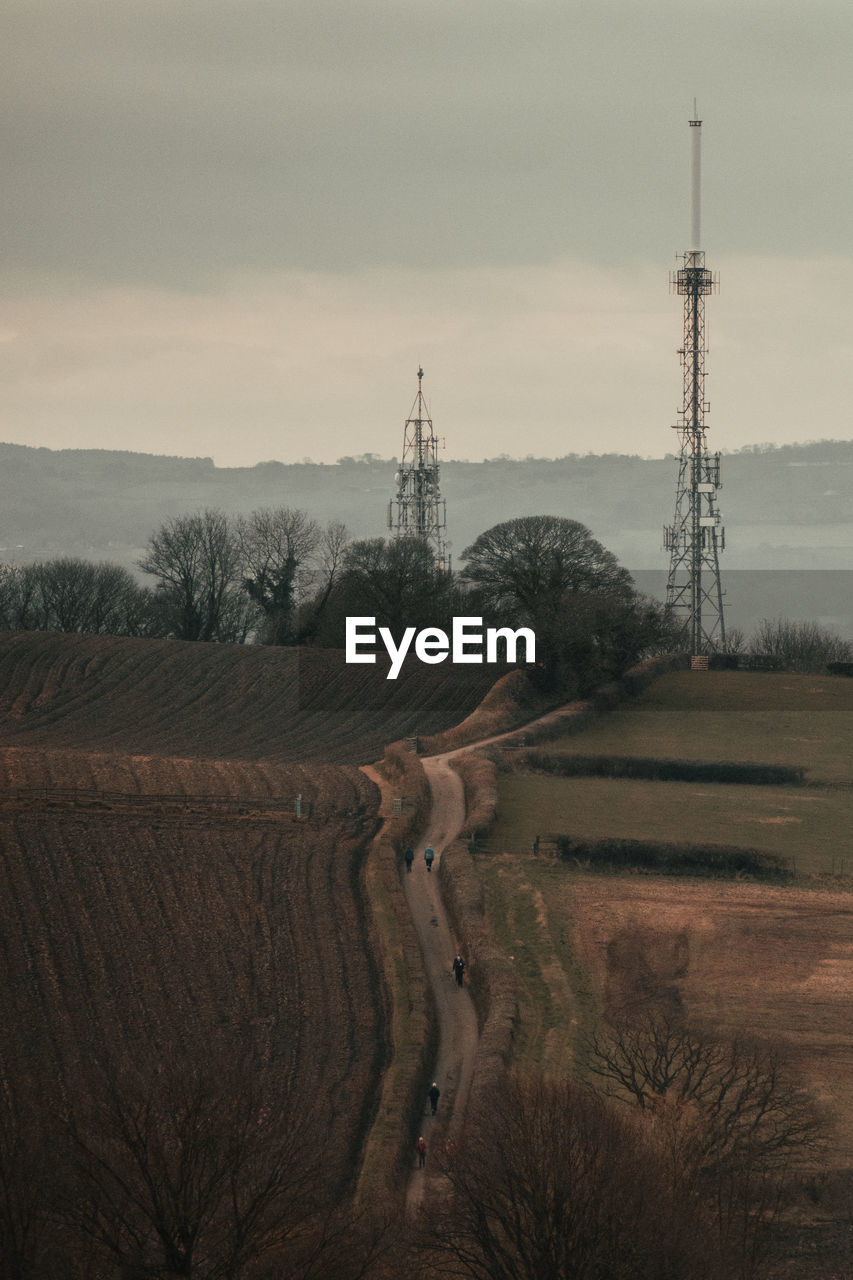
(130, 934)
(114, 695)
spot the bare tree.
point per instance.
(194, 1172)
(78, 595)
(114, 593)
(551, 574)
(548, 1183)
(330, 558)
(746, 1099)
(21, 605)
(196, 562)
(67, 588)
(734, 1126)
(72, 595)
(735, 640)
(397, 581)
(526, 564)
(141, 613)
(333, 543)
(274, 545)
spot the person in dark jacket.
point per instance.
(458, 970)
(429, 857)
(409, 857)
(434, 1095)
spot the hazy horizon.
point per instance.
(394, 459)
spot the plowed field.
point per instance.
(158, 889)
(89, 777)
(235, 702)
(135, 933)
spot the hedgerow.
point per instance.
(711, 860)
(661, 770)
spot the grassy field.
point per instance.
(740, 716)
(799, 720)
(736, 955)
(811, 828)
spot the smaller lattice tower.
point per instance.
(696, 536)
(418, 509)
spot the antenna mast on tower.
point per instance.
(696, 536)
(420, 509)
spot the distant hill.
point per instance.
(786, 508)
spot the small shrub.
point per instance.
(801, 646)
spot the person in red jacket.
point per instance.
(420, 1147)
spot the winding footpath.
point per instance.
(458, 1034)
(456, 1016)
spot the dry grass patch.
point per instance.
(511, 700)
(479, 778)
(776, 963)
(519, 897)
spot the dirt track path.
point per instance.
(457, 1019)
(458, 1033)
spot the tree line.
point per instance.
(215, 579)
(278, 577)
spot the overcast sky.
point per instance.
(235, 228)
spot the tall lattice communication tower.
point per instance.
(418, 509)
(696, 536)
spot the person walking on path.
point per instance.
(458, 969)
(409, 856)
(434, 1095)
(420, 1147)
(429, 856)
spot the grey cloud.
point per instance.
(149, 141)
